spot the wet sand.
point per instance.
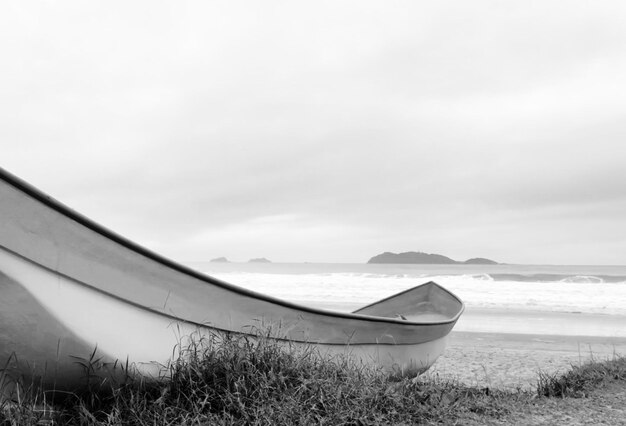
(511, 361)
(523, 321)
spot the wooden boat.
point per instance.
(72, 291)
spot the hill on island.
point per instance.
(480, 261)
(416, 257)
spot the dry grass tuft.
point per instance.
(243, 380)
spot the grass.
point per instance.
(582, 379)
(241, 381)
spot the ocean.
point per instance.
(537, 299)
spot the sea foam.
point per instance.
(348, 291)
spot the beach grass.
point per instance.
(582, 379)
(237, 380)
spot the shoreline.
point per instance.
(540, 322)
(514, 360)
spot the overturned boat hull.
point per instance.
(74, 294)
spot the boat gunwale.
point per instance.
(175, 318)
(408, 290)
(83, 220)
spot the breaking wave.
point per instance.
(561, 278)
(349, 290)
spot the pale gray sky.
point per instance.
(326, 131)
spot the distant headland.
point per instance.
(416, 257)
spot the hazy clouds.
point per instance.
(326, 131)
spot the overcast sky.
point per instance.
(326, 131)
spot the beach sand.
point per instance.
(511, 361)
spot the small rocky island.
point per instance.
(220, 259)
(416, 257)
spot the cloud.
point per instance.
(449, 127)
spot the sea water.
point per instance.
(576, 300)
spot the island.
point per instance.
(220, 259)
(259, 260)
(416, 257)
(480, 261)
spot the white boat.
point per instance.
(72, 291)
